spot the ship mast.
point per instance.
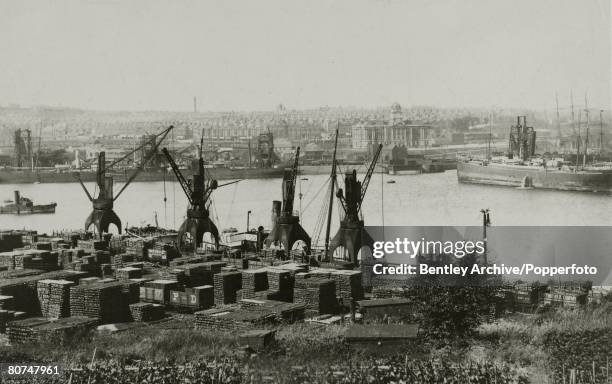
(490, 134)
(332, 180)
(573, 120)
(578, 140)
(601, 134)
(558, 120)
(586, 141)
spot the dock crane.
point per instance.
(286, 224)
(103, 214)
(198, 193)
(350, 234)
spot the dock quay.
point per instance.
(72, 281)
(69, 282)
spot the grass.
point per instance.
(521, 339)
(518, 340)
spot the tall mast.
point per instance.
(601, 135)
(490, 134)
(332, 180)
(558, 119)
(578, 140)
(572, 101)
(586, 141)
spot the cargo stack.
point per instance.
(158, 291)
(280, 284)
(22, 331)
(162, 253)
(21, 260)
(24, 289)
(226, 284)
(137, 247)
(196, 275)
(230, 320)
(7, 259)
(41, 259)
(213, 266)
(174, 274)
(117, 261)
(37, 329)
(104, 301)
(254, 280)
(93, 245)
(528, 296)
(71, 238)
(128, 273)
(116, 244)
(348, 286)
(54, 298)
(131, 291)
(565, 298)
(29, 238)
(10, 240)
(146, 312)
(317, 294)
(202, 297)
(285, 312)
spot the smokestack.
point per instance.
(17, 197)
(195, 104)
(276, 211)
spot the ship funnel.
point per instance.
(17, 197)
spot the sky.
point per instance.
(254, 55)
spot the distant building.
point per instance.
(396, 131)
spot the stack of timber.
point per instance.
(127, 273)
(93, 245)
(280, 285)
(137, 247)
(146, 312)
(24, 289)
(226, 285)
(230, 320)
(285, 312)
(10, 240)
(254, 280)
(37, 329)
(54, 298)
(317, 294)
(158, 291)
(193, 299)
(102, 300)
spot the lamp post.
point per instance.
(248, 216)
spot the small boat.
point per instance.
(391, 182)
(24, 206)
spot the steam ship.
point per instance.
(522, 168)
(24, 206)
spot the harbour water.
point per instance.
(427, 199)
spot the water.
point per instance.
(428, 199)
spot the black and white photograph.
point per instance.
(325, 191)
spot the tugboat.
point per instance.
(25, 206)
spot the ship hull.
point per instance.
(34, 210)
(8, 176)
(515, 176)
